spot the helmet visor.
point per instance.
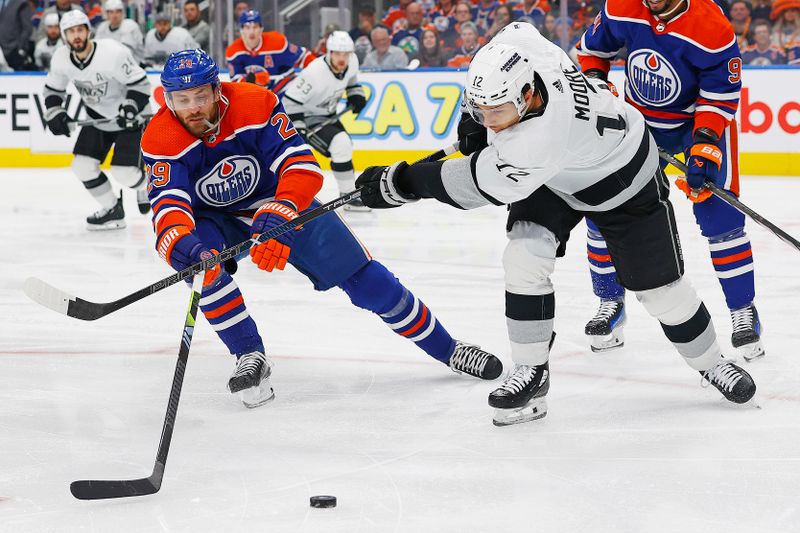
(194, 98)
(489, 116)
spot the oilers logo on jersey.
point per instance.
(231, 180)
(654, 80)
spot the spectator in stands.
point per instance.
(47, 46)
(61, 7)
(164, 39)
(564, 27)
(740, 20)
(396, 16)
(760, 10)
(462, 56)
(16, 29)
(548, 29)
(483, 14)
(533, 11)
(95, 13)
(195, 25)
(408, 38)
(763, 52)
(793, 53)
(121, 29)
(786, 14)
(503, 16)
(430, 51)
(445, 8)
(451, 37)
(385, 56)
(360, 34)
(321, 48)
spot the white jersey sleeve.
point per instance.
(55, 84)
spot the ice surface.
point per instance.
(631, 441)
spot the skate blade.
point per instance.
(751, 352)
(257, 396)
(533, 410)
(108, 226)
(604, 343)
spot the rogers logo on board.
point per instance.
(231, 179)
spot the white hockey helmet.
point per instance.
(73, 18)
(113, 5)
(339, 41)
(497, 74)
(51, 19)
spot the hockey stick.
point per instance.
(102, 489)
(96, 121)
(328, 121)
(62, 302)
(734, 202)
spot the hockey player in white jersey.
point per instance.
(121, 29)
(48, 44)
(165, 39)
(561, 147)
(113, 87)
(311, 100)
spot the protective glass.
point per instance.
(190, 99)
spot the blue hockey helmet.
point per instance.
(250, 16)
(188, 69)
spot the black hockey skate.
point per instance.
(746, 337)
(470, 359)
(142, 201)
(107, 219)
(605, 328)
(734, 383)
(251, 379)
(521, 397)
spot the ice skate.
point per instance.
(251, 379)
(521, 397)
(471, 360)
(605, 328)
(356, 206)
(734, 383)
(107, 218)
(142, 201)
(746, 337)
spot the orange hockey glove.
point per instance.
(275, 252)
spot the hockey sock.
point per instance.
(100, 188)
(378, 290)
(224, 308)
(601, 268)
(732, 257)
(529, 319)
(345, 176)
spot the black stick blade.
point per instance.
(101, 490)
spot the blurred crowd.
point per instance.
(447, 33)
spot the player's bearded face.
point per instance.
(657, 7)
(340, 60)
(196, 108)
(78, 38)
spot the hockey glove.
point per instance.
(260, 78)
(275, 252)
(471, 135)
(598, 74)
(58, 121)
(180, 247)
(357, 102)
(379, 186)
(126, 116)
(703, 164)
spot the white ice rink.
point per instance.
(631, 442)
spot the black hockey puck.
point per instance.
(323, 502)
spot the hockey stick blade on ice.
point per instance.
(734, 202)
(105, 489)
(68, 304)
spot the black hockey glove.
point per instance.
(471, 135)
(250, 77)
(357, 102)
(380, 187)
(58, 121)
(126, 117)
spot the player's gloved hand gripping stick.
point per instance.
(734, 202)
(62, 302)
